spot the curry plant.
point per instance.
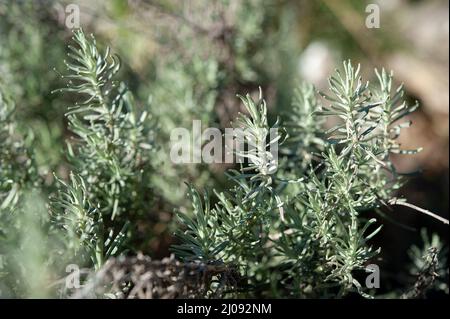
(110, 154)
(324, 238)
(293, 224)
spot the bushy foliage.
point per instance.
(300, 226)
(311, 242)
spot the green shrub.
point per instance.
(309, 241)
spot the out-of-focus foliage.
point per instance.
(31, 45)
(429, 266)
(29, 250)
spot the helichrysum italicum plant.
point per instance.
(324, 238)
(305, 128)
(294, 227)
(110, 155)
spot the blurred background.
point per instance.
(186, 60)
